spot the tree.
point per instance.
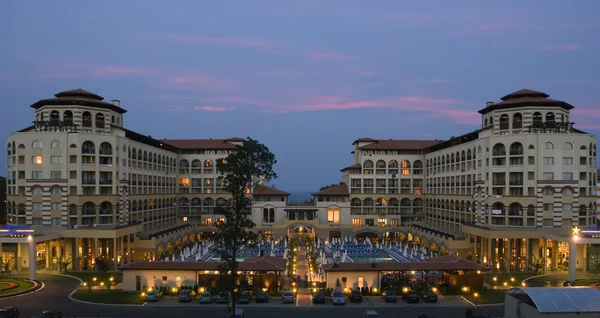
(537, 264)
(7, 264)
(329, 186)
(102, 264)
(63, 264)
(241, 170)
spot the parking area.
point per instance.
(172, 302)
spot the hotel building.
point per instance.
(505, 194)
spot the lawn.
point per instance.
(22, 285)
(585, 282)
(502, 278)
(491, 296)
(114, 296)
(88, 277)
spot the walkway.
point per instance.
(303, 296)
(555, 277)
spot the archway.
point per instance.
(363, 235)
(393, 236)
(300, 229)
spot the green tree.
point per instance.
(8, 264)
(537, 264)
(63, 264)
(102, 264)
(243, 168)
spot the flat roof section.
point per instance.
(559, 299)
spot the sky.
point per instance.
(306, 78)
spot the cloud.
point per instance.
(212, 108)
(595, 112)
(229, 41)
(589, 127)
(561, 47)
(117, 70)
(329, 56)
(196, 82)
(579, 82)
(467, 117)
(432, 80)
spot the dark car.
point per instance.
(244, 298)
(390, 295)
(430, 297)
(51, 314)
(476, 313)
(9, 312)
(222, 298)
(355, 297)
(411, 297)
(319, 298)
(186, 295)
(262, 297)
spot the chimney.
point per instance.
(116, 102)
(488, 104)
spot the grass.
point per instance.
(22, 285)
(501, 278)
(114, 296)
(585, 282)
(492, 296)
(88, 277)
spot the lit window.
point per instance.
(185, 219)
(333, 215)
(184, 182)
(382, 222)
(356, 222)
(37, 160)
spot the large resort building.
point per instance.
(504, 195)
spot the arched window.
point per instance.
(333, 215)
(517, 121)
(36, 144)
(56, 190)
(86, 119)
(381, 202)
(355, 202)
(380, 164)
(68, 118)
(88, 147)
(54, 118)
(537, 119)
(485, 123)
(499, 150)
(100, 120)
(548, 145)
(393, 164)
(567, 146)
(516, 149)
(567, 191)
(9, 149)
(106, 149)
(184, 164)
(21, 146)
(208, 163)
(196, 163)
(36, 191)
(498, 208)
(55, 144)
(550, 117)
(515, 209)
(112, 119)
(88, 208)
(504, 122)
(368, 164)
(405, 165)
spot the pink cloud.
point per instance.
(114, 70)
(595, 112)
(57, 76)
(561, 47)
(195, 82)
(431, 80)
(329, 56)
(236, 41)
(212, 108)
(468, 117)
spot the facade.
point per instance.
(504, 195)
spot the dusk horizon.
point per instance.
(306, 79)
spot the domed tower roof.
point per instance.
(78, 97)
(526, 98)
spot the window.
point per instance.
(333, 215)
(36, 174)
(547, 222)
(36, 160)
(567, 175)
(36, 144)
(531, 160)
(547, 206)
(185, 219)
(164, 278)
(549, 145)
(567, 192)
(55, 175)
(56, 190)
(567, 207)
(382, 222)
(56, 222)
(356, 222)
(36, 221)
(567, 222)
(55, 144)
(568, 146)
(36, 191)
(36, 206)
(548, 176)
(268, 215)
(548, 191)
(567, 161)
(56, 206)
(56, 159)
(549, 161)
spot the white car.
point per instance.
(206, 298)
(338, 298)
(288, 297)
(371, 314)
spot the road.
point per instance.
(57, 288)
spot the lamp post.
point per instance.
(573, 253)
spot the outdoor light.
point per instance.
(412, 272)
(314, 290)
(84, 284)
(314, 283)
(512, 279)
(101, 283)
(29, 237)
(495, 278)
(293, 283)
(294, 290)
(201, 289)
(505, 284)
(523, 284)
(174, 289)
(434, 289)
(478, 272)
(143, 294)
(476, 295)
(111, 279)
(94, 279)
(149, 289)
(374, 289)
(465, 289)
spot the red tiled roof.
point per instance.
(442, 263)
(264, 190)
(363, 140)
(340, 190)
(400, 144)
(235, 139)
(78, 97)
(354, 166)
(526, 97)
(262, 263)
(213, 144)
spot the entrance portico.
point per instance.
(30, 240)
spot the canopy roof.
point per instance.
(559, 299)
(441, 263)
(262, 263)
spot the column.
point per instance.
(32, 269)
(95, 249)
(48, 254)
(1, 253)
(572, 260)
(122, 250)
(585, 258)
(508, 254)
(527, 258)
(115, 254)
(545, 254)
(481, 240)
(19, 258)
(75, 256)
(489, 254)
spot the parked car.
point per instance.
(153, 295)
(262, 297)
(476, 313)
(244, 298)
(206, 298)
(223, 298)
(51, 314)
(430, 297)
(371, 314)
(9, 312)
(288, 297)
(319, 298)
(411, 297)
(186, 295)
(355, 297)
(390, 296)
(338, 298)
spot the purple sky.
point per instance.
(304, 77)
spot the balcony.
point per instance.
(88, 181)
